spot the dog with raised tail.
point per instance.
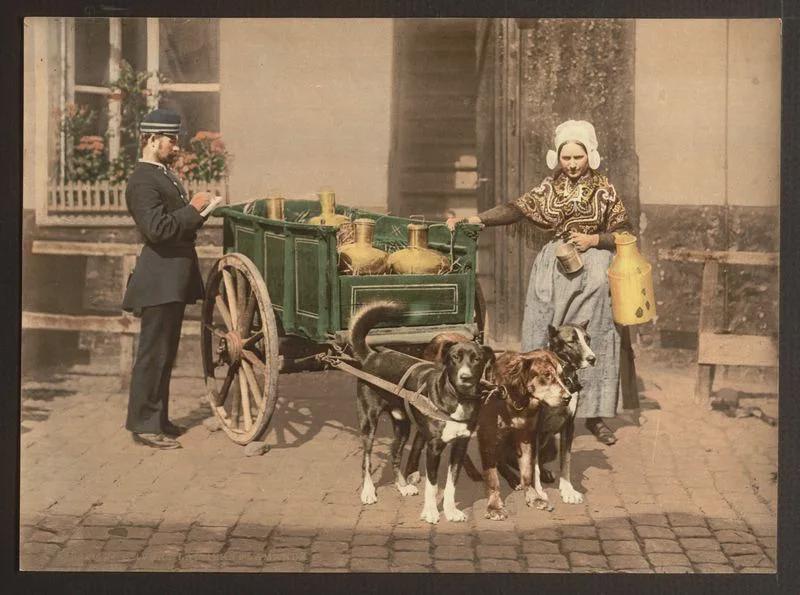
(451, 387)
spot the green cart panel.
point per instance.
(429, 299)
(312, 300)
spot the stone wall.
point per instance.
(748, 296)
(83, 285)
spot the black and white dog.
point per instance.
(570, 343)
(452, 387)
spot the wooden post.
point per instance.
(153, 32)
(708, 291)
(114, 100)
(126, 341)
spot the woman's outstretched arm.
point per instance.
(499, 215)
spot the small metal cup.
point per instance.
(275, 207)
(567, 254)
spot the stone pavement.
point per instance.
(685, 490)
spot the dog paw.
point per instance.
(570, 495)
(454, 515)
(429, 515)
(368, 495)
(407, 490)
(534, 498)
(413, 477)
(496, 514)
(519, 487)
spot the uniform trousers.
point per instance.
(148, 400)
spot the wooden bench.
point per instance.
(714, 348)
(125, 325)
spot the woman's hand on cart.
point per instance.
(452, 222)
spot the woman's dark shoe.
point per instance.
(170, 429)
(601, 431)
(159, 441)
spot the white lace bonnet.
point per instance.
(575, 130)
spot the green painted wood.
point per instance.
(274, 250)
(430, 299)
(287, 317)
(311, 300)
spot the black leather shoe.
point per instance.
(601, 431)
(170, 429)
(156, 441)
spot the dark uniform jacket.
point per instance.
(167, 269)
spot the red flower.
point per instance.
(95, 144)
(217, 146)
(203, 135)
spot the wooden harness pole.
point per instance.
(715, 348)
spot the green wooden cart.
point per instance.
(276, 300)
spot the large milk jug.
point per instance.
(630, 278)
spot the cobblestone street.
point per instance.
(685, 490)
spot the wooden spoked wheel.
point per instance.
(239, 342)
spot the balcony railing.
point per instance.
(101, 203)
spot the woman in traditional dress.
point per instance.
(580, 207)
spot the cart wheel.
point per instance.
(480, 311)
(239, 343)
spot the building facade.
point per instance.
(383, 112)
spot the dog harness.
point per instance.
(401, 385)
(420, 401)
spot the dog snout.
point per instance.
(591, 359)
(466, 376)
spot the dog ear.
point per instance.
(488, 354)
(551, 330)
(584, 324)
(446, 345)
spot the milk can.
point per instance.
(361, 257)
(274, 207)
(418, 259)
(630, 278)
(328, 216)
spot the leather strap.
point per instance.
(419, 400)
(402, 384)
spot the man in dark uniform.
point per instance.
(166, 276)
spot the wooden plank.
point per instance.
(515, 299)
(90, 323)
(708, 292)
(737, 350)
(740, 258)
(92, 89)
(191, 87)
(446, 181)
(440, 167)
(103, 249)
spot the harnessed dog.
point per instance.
(451, 387)
(530, 380)
(570, 344)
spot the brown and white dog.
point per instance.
(530, 379)
(453, 388)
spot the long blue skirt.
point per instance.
(556, 298)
